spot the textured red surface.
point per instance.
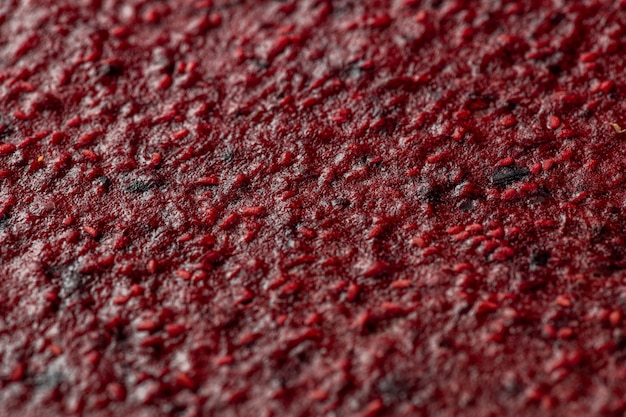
(256, 208)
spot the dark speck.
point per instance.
(111, 69)
(261, 64)
(508, 175)
(511, 105)
(105, 182)
(394, 389)
(540, 258)
(556, 18)
(228, 157)
(435, 194)
(4, 220)
(341, 202)
(620, 340)
(140, 186)
(6, 130)
(50, 379)
(555, 69)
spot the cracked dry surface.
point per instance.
(302, 208)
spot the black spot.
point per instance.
(508, 175)
(50, 379)
(394, 389)
(4, 220)
(540, 258)
(435, 4)
(620, 340)
(167, 67)
(228, 157)
(141, 186)
(138, 186)
(511, 105)
(556, 18)
(446, 342)
(467, 205)
(105, 182)
(512, 386)
(6, 129)
(260, 64)
(436, 193)
(111, 69)
(586, 113)
(341, 202)
(555, 69)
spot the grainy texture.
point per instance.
(342, 208)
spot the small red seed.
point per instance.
(90, 231)
(180, 134)
(433, 250)
(185, 238)
(563, 301)
(120, 31)
(253, 211)
(549, 331)
(373, 408)
(225, 360)
(184, 380)
(565, 333)
(503, 253)
(474, 228)
(352, 293)
(229, 221)
(290, 288)
(392, 308)
(485, 307)
(56, 350)
(536, 168)
(116, 391)
(90, 155)
(17, 373)
(174, 330)
(183, 274)
(400, 284)
(211, 180)
(554, 122)
(146, 326)
(496, 233)
(615, 317)
(87, 139)
(453, 230)
(506, 162)
(588, 57)
(307, 232)
(462, 267)
(509, 194)
(120, 300)
(318, 395)
(156, 159)
(7, 148)
(152, 341)
(547, 164)
(152, 266)
(164, 83)
(508, 121)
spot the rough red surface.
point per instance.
(351, 208)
